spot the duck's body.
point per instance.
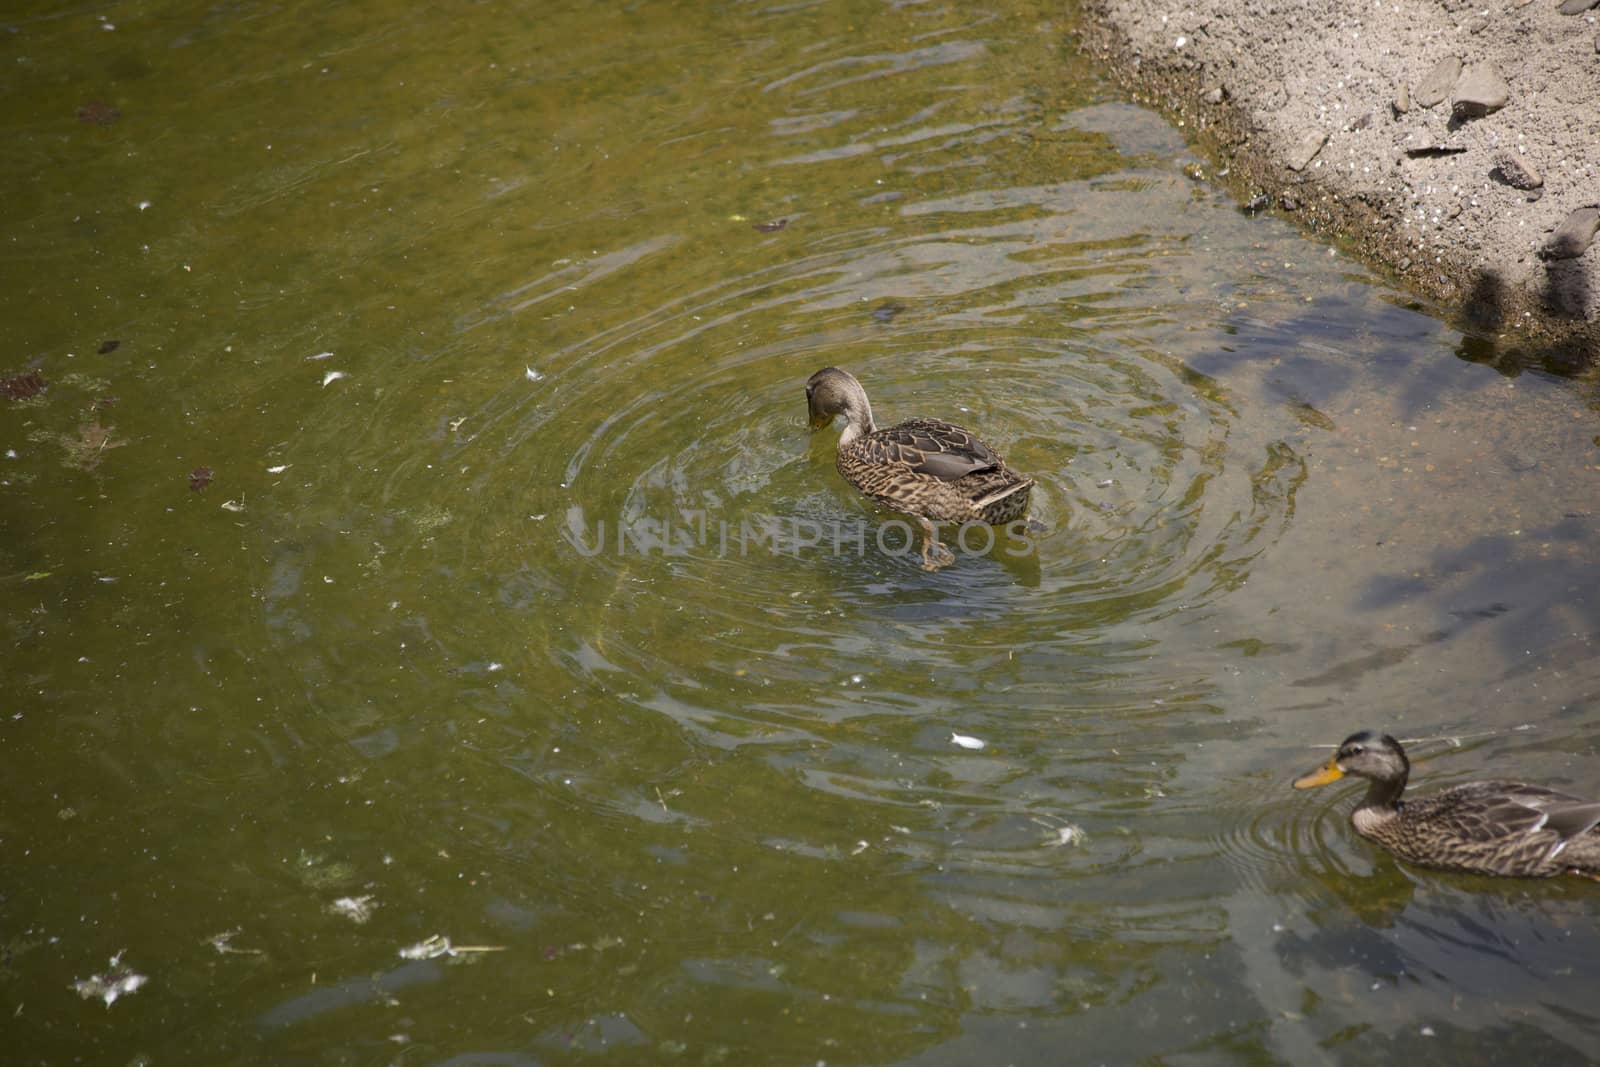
(1504, 828)
(930, 469)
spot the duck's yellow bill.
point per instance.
(1328, 772)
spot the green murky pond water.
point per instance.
(418, 535)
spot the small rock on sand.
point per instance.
(1480, 91)
(1572, 237)
(1516, 171)
(1402, 100)
(1423, 142)
(1577, 7)
(1306, 149)
(1440, 80)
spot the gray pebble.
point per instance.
(1301, 155)
(1213, 95)
(1402, 99)
(1480, 91)
(1437, 85)
(1573, 236)
(1577, 7)
(1423, 142)
(1516, 171)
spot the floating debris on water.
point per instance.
(117, 981)
(22, 386)
(199, 478)
(966, 742)
(98, 113)
(332, 376)
(531, 374)
(439, 945)
(357, 909)
(223, 943)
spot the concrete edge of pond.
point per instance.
(1478, 197)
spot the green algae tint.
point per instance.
(523, 685)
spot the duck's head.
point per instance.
(1367, 754)
(831, 392)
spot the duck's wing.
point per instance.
(1570, 820)
(1483, 811)
(932, 447)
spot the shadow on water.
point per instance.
(1432, 940)
(1523, 584)
(1564, 293)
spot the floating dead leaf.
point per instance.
(199, 478)
(771, 226)
(22, 386)
(107, 347)
(98, 113)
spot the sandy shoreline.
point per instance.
(1455, 145)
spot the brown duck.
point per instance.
(929, 469)
(1501, 828)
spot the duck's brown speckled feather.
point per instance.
(935, 469)
(1493, 828)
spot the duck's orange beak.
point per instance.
(1328, 772)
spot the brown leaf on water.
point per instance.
(84, 450)
(199, 478)
(107, 347)
(98, 113)
(22, 386)
(771, 227)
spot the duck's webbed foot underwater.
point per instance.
(934, 554)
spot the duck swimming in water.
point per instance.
(932, 470)
(1496, 827)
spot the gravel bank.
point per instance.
(1456, 145)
